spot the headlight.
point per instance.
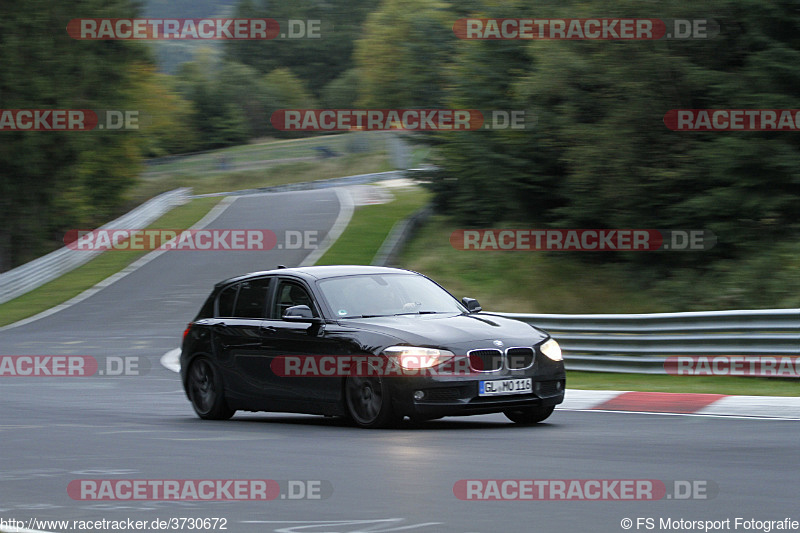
(415, 357)
(552, 350)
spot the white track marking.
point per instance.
(171, 360)
(345, 214)
(210, 216)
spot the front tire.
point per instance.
(369, 403)
(530, 415)
(206, 391)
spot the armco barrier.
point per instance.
(641, 343)
(327, 183)
(33, 274)
(400, 233)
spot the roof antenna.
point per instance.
(281, 266)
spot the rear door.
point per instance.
(240, 312)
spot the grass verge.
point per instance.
(735, 385)
(521, 282)
(104, 265)
(370, 226)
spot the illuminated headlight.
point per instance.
(552, 350)
(414, 357)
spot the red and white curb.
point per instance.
(683, 404)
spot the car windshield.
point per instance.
(373, 295)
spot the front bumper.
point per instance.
(460, 398)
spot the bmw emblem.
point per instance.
(499, 344)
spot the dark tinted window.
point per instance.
(252, 299)
(226, 299)
(291, 294)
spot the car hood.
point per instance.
(452, 330)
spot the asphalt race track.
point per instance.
(56, 430)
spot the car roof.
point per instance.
(320, 272)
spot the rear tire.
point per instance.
(369, 403)
(206, 391)
(529, 415)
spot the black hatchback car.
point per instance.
(372, 344)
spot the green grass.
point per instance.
(521, 282)
(370, 226)
(749, 386)
(106, 264)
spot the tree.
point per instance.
(51, 181)
(217, 120)
(403, 55)
(165, 116)
(316, 61)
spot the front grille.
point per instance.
(446, 394)
(549, 388)
(485, 360)
(519, 358)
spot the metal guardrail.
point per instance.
(36, 273)
(641, 343)
(400, 233)
(345, 181)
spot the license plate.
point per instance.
(505, 386)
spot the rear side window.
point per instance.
(247, 299)
(226, 301)
(252, 299)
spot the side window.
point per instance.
(226, 300)
(291, 294)
(252, 299)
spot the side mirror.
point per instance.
(300, 313)
(472, 305)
